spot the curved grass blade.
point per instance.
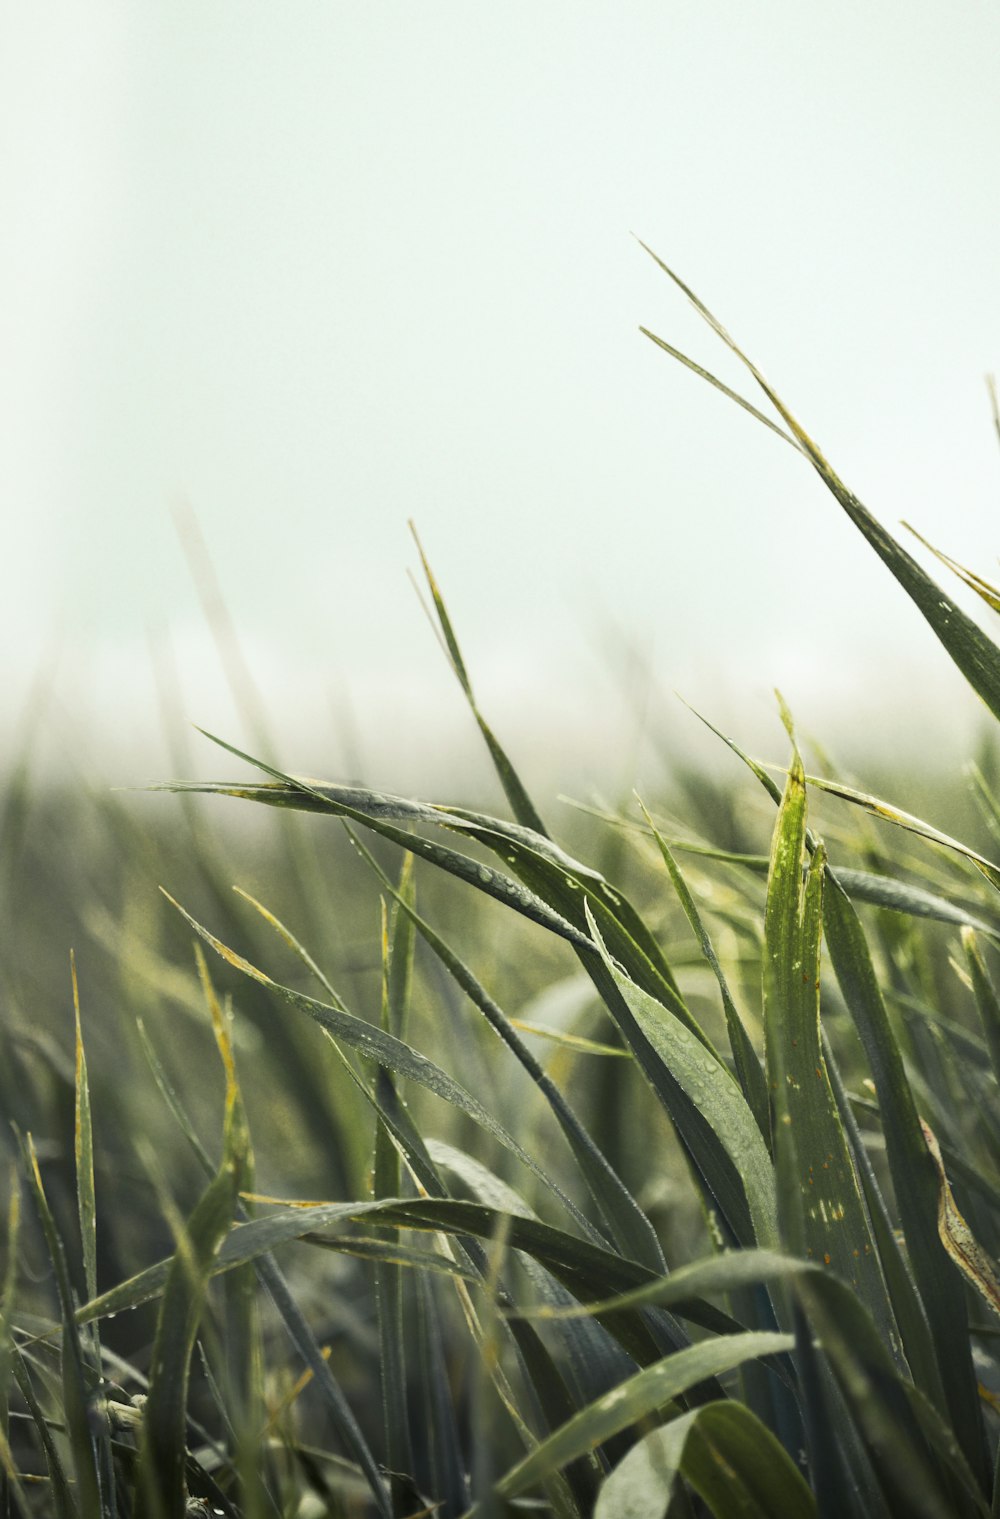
(650, 1391)
(551, 882)
(564, 888)
(627, 1223)
(869, 1377)
(586, 1270)
(748, 1182)
(957, 1238)
(733, 1461)
(380, 813)
(975, 654)
(592, 1362)
(393, 1054)
(910, 823)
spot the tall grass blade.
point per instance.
(747, 1182)
(976, 655)
(161, 1489)
(77, 1381)
(625, 1220)
(397, 967)
(830, 1222)
(84, 1150)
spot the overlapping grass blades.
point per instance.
(788, 1312)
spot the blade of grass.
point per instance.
(830, 1218)
(912, 1170)
(76, 1390)
(626, 1221)
(976, 655)
(160, 1483)
(748, 1183)
(520, 803)
(397, 968)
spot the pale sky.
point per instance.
(316, 268)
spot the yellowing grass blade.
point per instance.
(956, 1236)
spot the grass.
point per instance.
(449, 1168)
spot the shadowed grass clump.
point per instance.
(678, 1191)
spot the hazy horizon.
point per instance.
(314, 273)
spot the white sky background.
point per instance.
(316, 268)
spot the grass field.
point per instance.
(613, 1161)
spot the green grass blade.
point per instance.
(893, 1417)
(907, 821)
(976, 655)
(586, 1270)
(626, 1221)
(438, 1430)
(731, 1458)
(397, 964)
(84, 1150)
(912, 1169)
(64, 1504)
(76, 1379)
(830, 1221)
(709, 1086)
(520, 802)
(10, 1483)
(908, 1310)
(650, 1391)
(161, 1474)
(381, 814)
